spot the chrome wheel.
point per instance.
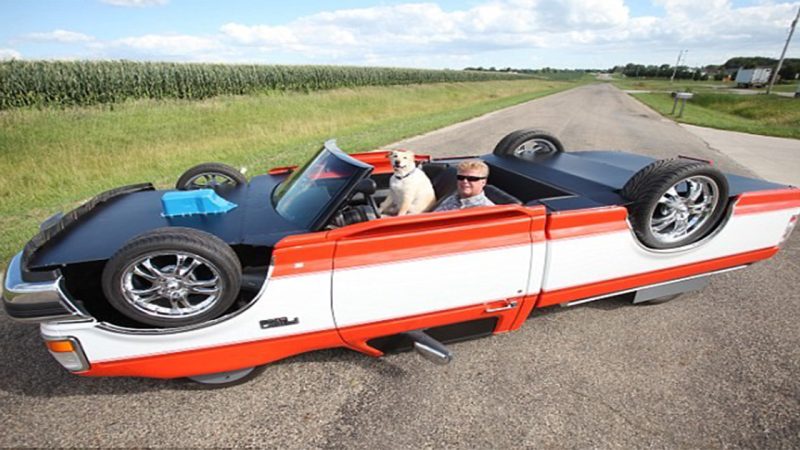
(210, 180)
(171, 285)
(533, 147)
(684, 209)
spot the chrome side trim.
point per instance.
(674, 289)
(652, 286)
(42, 301)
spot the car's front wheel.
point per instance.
(173, 277)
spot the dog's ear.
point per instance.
(391, 154)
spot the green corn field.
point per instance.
(79, 83)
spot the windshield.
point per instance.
(311, 189)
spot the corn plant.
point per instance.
(78, 83)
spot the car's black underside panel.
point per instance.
(104, 229)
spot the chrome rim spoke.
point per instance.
(664, 222)
(144, 292)
(695, 189)
(148, 264)
(185, 271)
(206, 287)
(146, 300)
(146, 275)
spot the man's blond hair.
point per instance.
(476, 165)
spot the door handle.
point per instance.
(509, 305)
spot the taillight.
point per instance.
(68, 352)
(789, 229)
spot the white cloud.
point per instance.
(136, 3)
(490, 33)
(383, 32)
(169, 44)
(61, 36)
(9, 53)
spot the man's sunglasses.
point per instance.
(469, 178)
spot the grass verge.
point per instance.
(659, 84)
(756, 114)
(54, 158)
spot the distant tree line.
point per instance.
(531, 71)
(789, 71)
(662, 71)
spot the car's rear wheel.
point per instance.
(675, 202)
(527, 144)
(172, 277)
(210, 176)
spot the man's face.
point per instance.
(467, 188)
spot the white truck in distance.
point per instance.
(757, 77)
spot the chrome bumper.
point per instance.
(40, 301)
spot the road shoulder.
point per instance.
(773, 158)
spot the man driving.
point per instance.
(471, 179)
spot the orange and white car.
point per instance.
(224, 275)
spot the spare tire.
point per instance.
(528, 143)
(675, 202)
(209, 176)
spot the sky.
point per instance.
(438, 34)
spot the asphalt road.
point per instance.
(720, 368)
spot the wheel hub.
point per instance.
(172, 285)
(683, 209)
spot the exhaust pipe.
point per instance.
(430, 349)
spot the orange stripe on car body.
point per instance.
(649, 278)
(409, 237)
(765, 201)
(216, 359)
(438, 234)
(583, 222)
(303, 254)
(254, 353)
(357, 336)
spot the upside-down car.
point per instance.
(224, 275)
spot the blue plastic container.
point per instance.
(189, 203)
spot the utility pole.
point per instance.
(786, 46)
(677, 63)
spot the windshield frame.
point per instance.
(361, 170)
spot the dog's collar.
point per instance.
(406, 175)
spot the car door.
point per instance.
(413, 272)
